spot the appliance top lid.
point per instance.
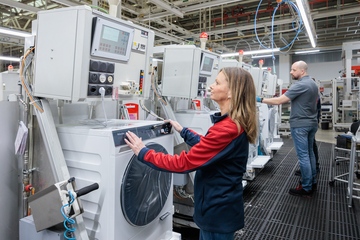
(112, 125)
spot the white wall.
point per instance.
(325, 70)
(317, 70)
(284, 69)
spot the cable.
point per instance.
(154, 88)
(68, 221)
(99, 8)
(149, 112)
(243, 41)
(181, 193)
(23, 68)
(160, 99)
(102, 93)
(297, 29)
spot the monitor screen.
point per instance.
(207, 64)
(112, 40)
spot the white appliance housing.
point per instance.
(133, 201)
(187, 70)
(9, 82)
(198, 121)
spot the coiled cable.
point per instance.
(68, 222)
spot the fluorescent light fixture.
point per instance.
(14, 32)
(304, 17)
(10, 59)
(262, 51)
(262, 56)
(308, 51)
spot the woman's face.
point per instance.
(220, 89)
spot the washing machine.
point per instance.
(133, 201)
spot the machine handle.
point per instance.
(87, 189)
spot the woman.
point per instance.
(219, 157)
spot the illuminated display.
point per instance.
(208, 64)
(112, 40)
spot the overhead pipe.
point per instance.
(249, 35)
(238, 12)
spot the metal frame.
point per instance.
(347, 177)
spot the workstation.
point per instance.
(82, 75)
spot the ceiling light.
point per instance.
(262, 56)
(252, 52)
(13, 32)
(307, 51)
(304, 17)
(10, 59)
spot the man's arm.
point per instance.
(276, 100)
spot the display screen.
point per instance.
(207, 64)
(113, 40)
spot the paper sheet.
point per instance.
(21, 138)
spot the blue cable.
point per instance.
(68, 221)
(272, 23)
(293, 5)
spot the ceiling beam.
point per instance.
(347, 11)
(288, 20)
(66, 3)
(22, 6)
(168, 7)
(149, 16)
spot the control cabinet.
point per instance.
(79, 50)
(187, 70)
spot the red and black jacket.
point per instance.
(219, 159)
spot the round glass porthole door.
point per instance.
(144, 190)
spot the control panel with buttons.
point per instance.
(101, 74)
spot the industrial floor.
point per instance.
(272, 213)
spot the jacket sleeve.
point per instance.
(207, 150)
(190, 137)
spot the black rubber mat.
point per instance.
(272, 213)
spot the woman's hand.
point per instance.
(175, 125)
(134, 142)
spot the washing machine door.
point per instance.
(144, 190)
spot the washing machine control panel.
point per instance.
(144, 132)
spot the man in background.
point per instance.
(316, 150)
(303, 96)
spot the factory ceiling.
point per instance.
(231, 25)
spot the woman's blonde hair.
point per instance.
(243, 100)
